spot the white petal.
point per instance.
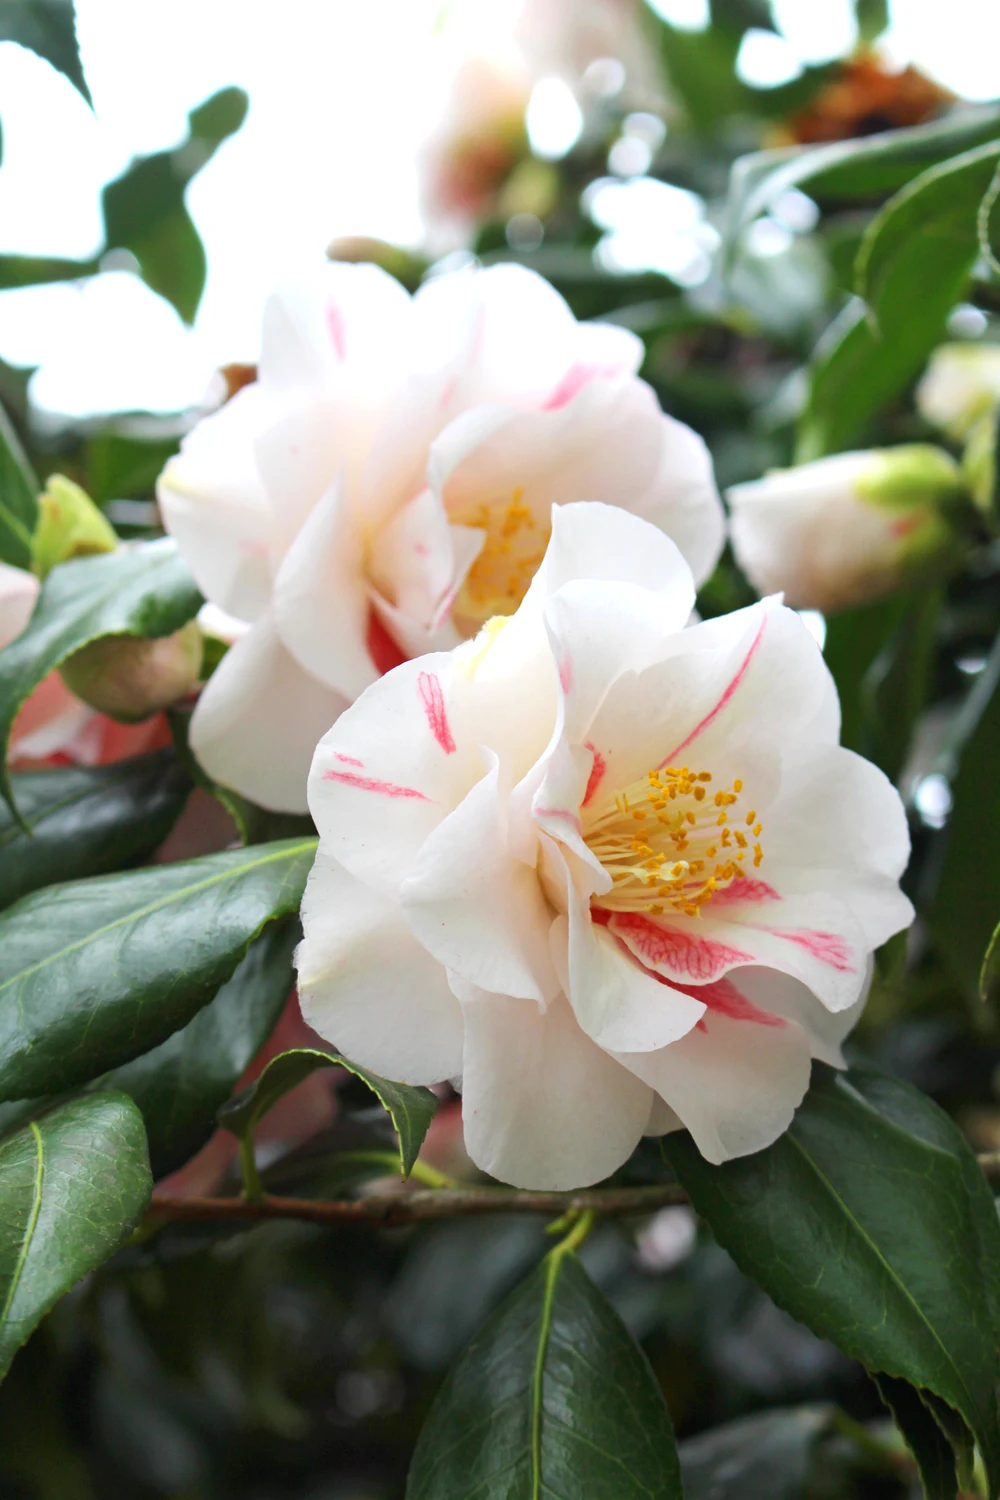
(474, 906)
(335, 320)
(321, 599)
(212, 500)
(258, 719)
(531, 1082)
(603, 445)
(783, 996)
(840, 824)
(367, 985)
(392, 768)
(734, 1083)
(18, 592)
(620, 1005)
(300, 455)
(684, 501)
(412, 560)
(525, 337)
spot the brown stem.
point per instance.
(440, 1203)
(424, 1203)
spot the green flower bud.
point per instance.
(69, 525)
(129, 677)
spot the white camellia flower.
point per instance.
(843, 529)
(386, 486)
(960, 385)
(610, 875)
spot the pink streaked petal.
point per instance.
(596, 776)
(372, 784)
(432, 698)
(724, 999)
(726, 696)
(336, 327)
(347, 760)
(825, 947)
(374, 832)
(673, 950)
(572, 383)
(746, 892)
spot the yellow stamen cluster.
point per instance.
(514, 547)
(670, 843)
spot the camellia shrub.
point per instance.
(498, 948)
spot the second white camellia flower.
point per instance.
(385, 486)
(610, 875)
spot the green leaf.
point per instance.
(39, 270)
(95, 972)
(180, 1085)
(18, 498)
(912, 267)
(873, 18)
(144, 209)
(963, 912)
(898, 683)
(552, 1399)
(855, 639)
(871, 1222)
(763, 1457)
(410, 1108)
(845, 171)
(144, 590)
(88, 820)
(72, 1187)
(989, 975)
(931, 1450)
(47, 27)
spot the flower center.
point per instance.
(499, 578)
(670, 843)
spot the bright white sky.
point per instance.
(340, 92)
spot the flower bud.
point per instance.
(847, 528)
(129, 677)
(69, 525)
(960, 385)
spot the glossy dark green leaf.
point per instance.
(95, 972)
(72, 1187)
(963, 911)
(410, 1108)
(145, 590)
(47, 27)
(912, 268)
(854, 641)
(18, 498)
(87, 820)
(763, 1457)
(845, 171)
(552, 1399)
(871, 1222)
(180, 1084)
(989, 974)
(897, 685)
(39, 270)
(931, 1450)
(144, 209)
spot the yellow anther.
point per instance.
(737, 785)
(751, 817)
